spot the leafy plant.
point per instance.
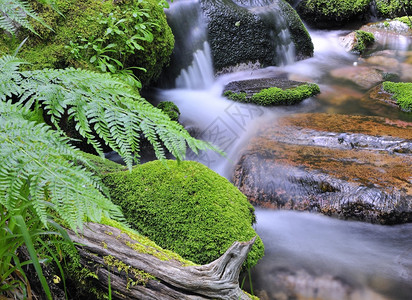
(128, 29)
(16, 13)
(101, 106)
(40, 184)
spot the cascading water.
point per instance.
(199, 75)
(269, 11)
(321, 257)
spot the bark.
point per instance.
(217, 280)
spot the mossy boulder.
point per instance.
(186, 208)
(401, 92)
(357, 41)
(270, 91)
(241, 33)
(332, 13)
(393, 8)
(170, 109)
(82, 27)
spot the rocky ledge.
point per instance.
(350, 167)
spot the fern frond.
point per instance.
(102, 106)
(15, 13)
(37, 168)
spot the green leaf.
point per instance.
(32, 252)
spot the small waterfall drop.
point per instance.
(191, 62)
(199, 75)
(270, 11)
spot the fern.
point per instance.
(16, 13)
(38, 170)
(101, 105)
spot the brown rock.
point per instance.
(351, 167)
(364, 77)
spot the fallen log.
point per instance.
(147, 273)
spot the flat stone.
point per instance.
(365, 77)
(351, 167)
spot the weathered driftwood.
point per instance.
(217, 280)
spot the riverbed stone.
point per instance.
(351, 167)
(362, 76)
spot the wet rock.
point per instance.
(390, 34)
(254, 86)
(349, 167)
(348, 41)
(386, 63)
(332, 13)
(365, 77)
(378, 93)
(257, 32)
(357, 41)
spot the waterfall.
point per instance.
(191, 62)
(281, 38)
(199, 75)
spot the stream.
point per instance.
(307, 255)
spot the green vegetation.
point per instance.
(170, 109)
(100, 165)
(402, 93)
(363, 40)
(332, 10)
(40, 186)
(277, 96)
(240, 97)
(406, 19)
(393, 8)
(186, 208)
(121, 37)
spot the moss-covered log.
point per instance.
(147, 273)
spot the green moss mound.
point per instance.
(299, 34)
(170, 109)
(363, 40)
(276, 96)
(393, 8)
(402, 93)
(82, 27)
(186, 208)
(330, 13)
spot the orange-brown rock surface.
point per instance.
(353, 167)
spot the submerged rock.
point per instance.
(362, 76)
(350, 167)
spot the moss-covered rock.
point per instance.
(82, 31)
(186, 208)
(170, 109)
(241, 32)
(401, 92)
(331, 13)
(393, 8)
(363, 40)
(275, 95)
